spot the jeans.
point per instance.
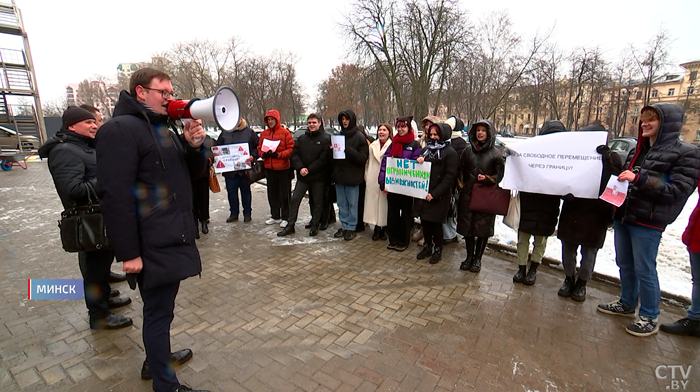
(158, 313)
(95, 267)
(279, 193)
(540, 245)
(233, 184)
(449, 227)
(694, 311)
(348, 197)
(568, 259)
(315, 201)
(636, 248)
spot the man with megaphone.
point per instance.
(144, 168)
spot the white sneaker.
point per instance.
(272, 221)
(283, 224)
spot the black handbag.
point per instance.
(256, 172)
(82, 227)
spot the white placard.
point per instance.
(231, 157)
(556, 164)
(616, 191)
(407, 177)
(270, 145)
(338, 146)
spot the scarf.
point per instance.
(432, 150)
(398, 143)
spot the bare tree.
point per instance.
(54, 107)
(652, 59)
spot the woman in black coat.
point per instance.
(443, 175)
(584, 223)
(480, 162)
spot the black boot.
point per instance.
(467, 263)
(205, 227)
(531, 274)
(579, 292)
(286, 231)
(519, 276)
(314, 230)
(425, 252)
(382, 233)
(375, 235)
(567, 287)
(478, 253)
(437, 256)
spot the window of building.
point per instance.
(693, 75)
(671, 92)
(636, 110)
(654, 93)
(691, 90)
(697, 135)
(528, 117)
(639, 95)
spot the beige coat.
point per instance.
(375, 200)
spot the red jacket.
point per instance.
(691, 235)
(284, 150)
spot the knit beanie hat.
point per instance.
(74, 115)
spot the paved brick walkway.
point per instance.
(318, 314)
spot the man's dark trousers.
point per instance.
(158, 308)
(315, 190)
(95, 266)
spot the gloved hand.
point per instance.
(274, 154)
(381, 187)
(602, 149)
(266, 154)
(569, 197)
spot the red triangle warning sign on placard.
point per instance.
(240, 149)
(245, 153)
(220, 165)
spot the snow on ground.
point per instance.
(673, 263)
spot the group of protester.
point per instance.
(142, 169)
(662, 170)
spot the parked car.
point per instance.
(622, 146)
(8, 140)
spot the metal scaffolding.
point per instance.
(17, 78)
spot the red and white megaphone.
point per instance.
(223, 108)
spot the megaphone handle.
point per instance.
(190, 121)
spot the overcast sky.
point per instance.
(72, 40)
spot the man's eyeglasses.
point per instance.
(164, 93)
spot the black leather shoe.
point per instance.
(324, 226)
(114, 293)
(349, 235)
(307, 226)
(566, 288)
(578, 294)
(436, 257)
(286, 231)
(382, 234)
(205, 228)
(185, 388)
(232, 219)
(314, 230)
(247, 219)
(177, 358)
(519, 276)
(339, 234)
(475, 266)
(113, 321)
(118, 302)
(466, 263)
(115, 277)
(531, 276)
(375, 234)
(425, 252)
